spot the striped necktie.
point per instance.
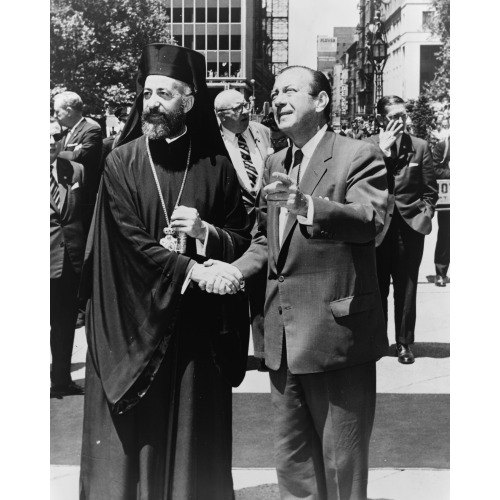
(248, 198)
(54, 189)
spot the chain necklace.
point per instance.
(174, 240)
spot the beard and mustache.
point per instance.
(157, 124)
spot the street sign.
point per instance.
(443, 202)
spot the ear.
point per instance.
(322, 100)
(188, 102)
(380, 119)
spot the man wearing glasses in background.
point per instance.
(67, 246)
(248, 144)
(413, 194)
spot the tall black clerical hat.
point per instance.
(187, 66)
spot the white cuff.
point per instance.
(387, 152)
(201, 248)
(307, 221)
(187, 280)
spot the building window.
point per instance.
(212, 14)
(235, 42)
(224, 15)
(188, 14)
(200, 42)
(427, 18)
(224, 42)
(236, 15)
(212, 42)
(188, 41)
(200, 14)
(177, 15)
(224, 69)
(212, 69)
(236, 69)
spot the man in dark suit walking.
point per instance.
(82, 144)
(67, 245)
(441, 160)
(412, 197)
(322, 206)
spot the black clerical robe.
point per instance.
(157, 416)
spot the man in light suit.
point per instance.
(82, 144)
(248, 144)
(322, 206)
(413, 195)
(233, 113)
(67, 245)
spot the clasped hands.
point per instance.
(215, 276)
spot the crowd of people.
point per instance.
(194, 223)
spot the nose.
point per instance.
(52, 141)
(280, 99)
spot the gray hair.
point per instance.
(70, 99)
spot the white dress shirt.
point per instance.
(231, 143)
(308, 150)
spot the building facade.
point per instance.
(412, 48)
(243, 41)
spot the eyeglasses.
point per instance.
(239, 108)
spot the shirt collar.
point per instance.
(230, 136)
(169, 140)
(76, 125)
(309, 147)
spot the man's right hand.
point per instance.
(217, 277)
(391, 133)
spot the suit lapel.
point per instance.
(315, 171)
(74, 137)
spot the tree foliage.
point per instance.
(95, 46)
(439, 88)
(422, 116)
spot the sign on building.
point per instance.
(327, 43)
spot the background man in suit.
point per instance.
(248, 144)
(67, 245)
(83, 144)
(441, 160)
(413, 195)
(324, 324)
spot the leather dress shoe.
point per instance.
(405, 355)
(440, 281)
(72, 389)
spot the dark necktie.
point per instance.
(297, 162)
(248, 198)
(54, 189)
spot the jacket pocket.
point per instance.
(352, 305)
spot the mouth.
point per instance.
(284, 113)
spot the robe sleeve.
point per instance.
(135, 284)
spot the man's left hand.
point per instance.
(284, 192)
(188, 220)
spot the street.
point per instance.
(409, 456)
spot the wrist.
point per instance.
(304, 205)
(202, 233)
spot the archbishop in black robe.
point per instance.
(160, 366)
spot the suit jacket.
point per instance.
(412, 184)
(66, 225)
(322, 291)
(84, 146)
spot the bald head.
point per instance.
(232, 110)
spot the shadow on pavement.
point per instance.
(426, 350)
